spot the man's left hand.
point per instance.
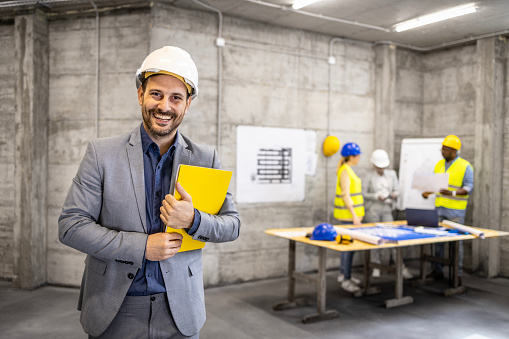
(178, 213)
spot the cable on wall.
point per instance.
(220, 42)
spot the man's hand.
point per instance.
(446, 192)
(356, 220)
(161, 246)
(425, 195)
(178, 213)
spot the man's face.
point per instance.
(379, 170)
(448, 153)
(163, 104)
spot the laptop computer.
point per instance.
(419, 217)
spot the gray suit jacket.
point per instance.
(104, 216)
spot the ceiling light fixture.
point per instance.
(302, 3)
(435, 17)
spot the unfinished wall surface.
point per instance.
(72, 108)
(504, 242)
(271, 77)
(408, 106)
(7, 146)
(489, 153)
(449, 94)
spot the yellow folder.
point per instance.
(207, 187)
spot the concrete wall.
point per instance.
(271, 76)
(7, 146)
(408, 108)
(124, 44)
(504, 242)
(283, 90)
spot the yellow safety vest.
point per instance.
(456, 173)
(340, 210)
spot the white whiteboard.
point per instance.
(417, 155)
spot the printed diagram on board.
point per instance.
(271, 164)
(274, 166)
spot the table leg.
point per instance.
(399, 300)
(322, 313)
(291, 302)
(456, 288)
(368, 289)
(423, 264)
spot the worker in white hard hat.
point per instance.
(451, 202)
(380, 200)
(136, 279)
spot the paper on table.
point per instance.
(293, 234)
(463, 228)
(430, 182)
(372, 239)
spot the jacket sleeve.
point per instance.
(79, 226)
(370, 194)
(223, 227)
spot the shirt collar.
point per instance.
(146, 140)
(453, 160)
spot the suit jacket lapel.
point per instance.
(135, 156)
(182, 156)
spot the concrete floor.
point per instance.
(245, 311)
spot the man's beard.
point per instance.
(153, 130)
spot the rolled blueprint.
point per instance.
(372, 239)
(463, 228)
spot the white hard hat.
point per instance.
(380, 158)
(173, 60)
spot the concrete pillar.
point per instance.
(31, 121)
(385, 70)
(489, 118)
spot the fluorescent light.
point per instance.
(303, 3)
(435, 17)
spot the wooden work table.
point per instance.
(295, 235)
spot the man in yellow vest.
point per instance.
(451, 203)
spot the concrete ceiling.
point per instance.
(492, 16)
(363, 20)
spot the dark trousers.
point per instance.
(144, 317)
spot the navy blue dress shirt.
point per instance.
(158, 172)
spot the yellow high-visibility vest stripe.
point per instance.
(456, 174)
(340, 209)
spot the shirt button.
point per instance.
(157, 193)
(152, 298)
(150, 274)
(130, 276)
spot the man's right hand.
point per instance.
(161, 246)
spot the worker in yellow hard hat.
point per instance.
(451, 203)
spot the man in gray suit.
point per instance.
(136, 283)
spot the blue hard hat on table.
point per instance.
(350, 148)
(324, 231)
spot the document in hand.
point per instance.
(430, 182)
(207, 187)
